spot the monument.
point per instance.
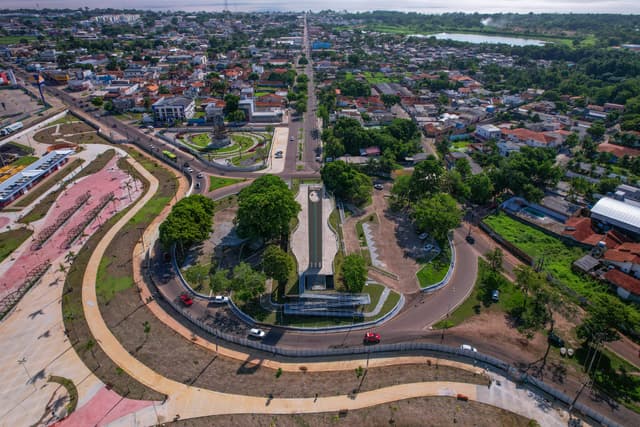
(219, 135)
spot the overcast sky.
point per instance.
(424, 6)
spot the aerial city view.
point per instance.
(319, 214)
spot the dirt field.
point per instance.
(70, 132)
(393, 237)
(418, 412)
(15, 105)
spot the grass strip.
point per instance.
(11, 240)
(71, 390)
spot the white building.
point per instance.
(616, 213)
(171, 110)
(488, 132)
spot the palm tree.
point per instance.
(69, 257)
(495, 258)
(127, 184)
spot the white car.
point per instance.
(423, 236)
(221, 299)
(378, 186)
(468, 348)
(256, 333)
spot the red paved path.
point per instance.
(109, 179)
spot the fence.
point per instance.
(436, 350)
(441, 284)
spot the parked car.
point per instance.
(220, 299)
(470, 239)
(371, 338)
(199, 176)
(190, 170)
(468, 348)
(423, 236)
(378, 186)
(428, 247)
(495, 295)
(186, 299)
(555, 340)
(278, 153)
(256, 333)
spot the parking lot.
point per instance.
(15, 105)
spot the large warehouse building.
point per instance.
(618, 214)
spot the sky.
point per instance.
(423, 6)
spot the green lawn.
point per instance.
(480, 297)
(460, 145)
(64, 120)
(15, 39)
(24, 161)
(201, 139)
(216, 182)
(11, 240)
(108, 285)
(557, 255)
(435, 270)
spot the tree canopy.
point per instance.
(346, 182)
(266, 208)
(437, 214)
(189, 222)
(354, 272)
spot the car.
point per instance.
(423, 236)
(293, 138)
(371, 338)
(197, 185)
(318, 159)
(220, 299)
(495, 295)
(186, 299)
(470, 239)
(378, 186)
(555, 340)
(190, 170)
(186, 165)
(279, 153)
(199, 176)
(256, 333)
(428, 247)
(468, 348)
(277, 156)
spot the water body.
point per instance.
(479, 38)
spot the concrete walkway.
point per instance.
(381, 301)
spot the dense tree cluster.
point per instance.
(401, 138)
(346, 182)
(265, 209)
(189, 222)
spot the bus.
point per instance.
(169, 155)
(11, 128)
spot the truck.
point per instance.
(11, 128)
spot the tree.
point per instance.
(97, 101)
(303, 60)
(278, 265)
(354, 272)
(596, 130)
(236, 116)
(220, 281)
(301, 106)
(463, 167)
(480, 188)
(346, 182)
(189, 222)
(247, 283)
(605, 316)
(266, 208)
(495, 258)
(390, 100)
(426, 178)
(231, 103)
(437, 214)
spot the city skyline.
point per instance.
(438, 6)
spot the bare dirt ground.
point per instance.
(393, 238)
(419, 412)
(222, 225)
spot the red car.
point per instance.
(371, 338)
(186, 300)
